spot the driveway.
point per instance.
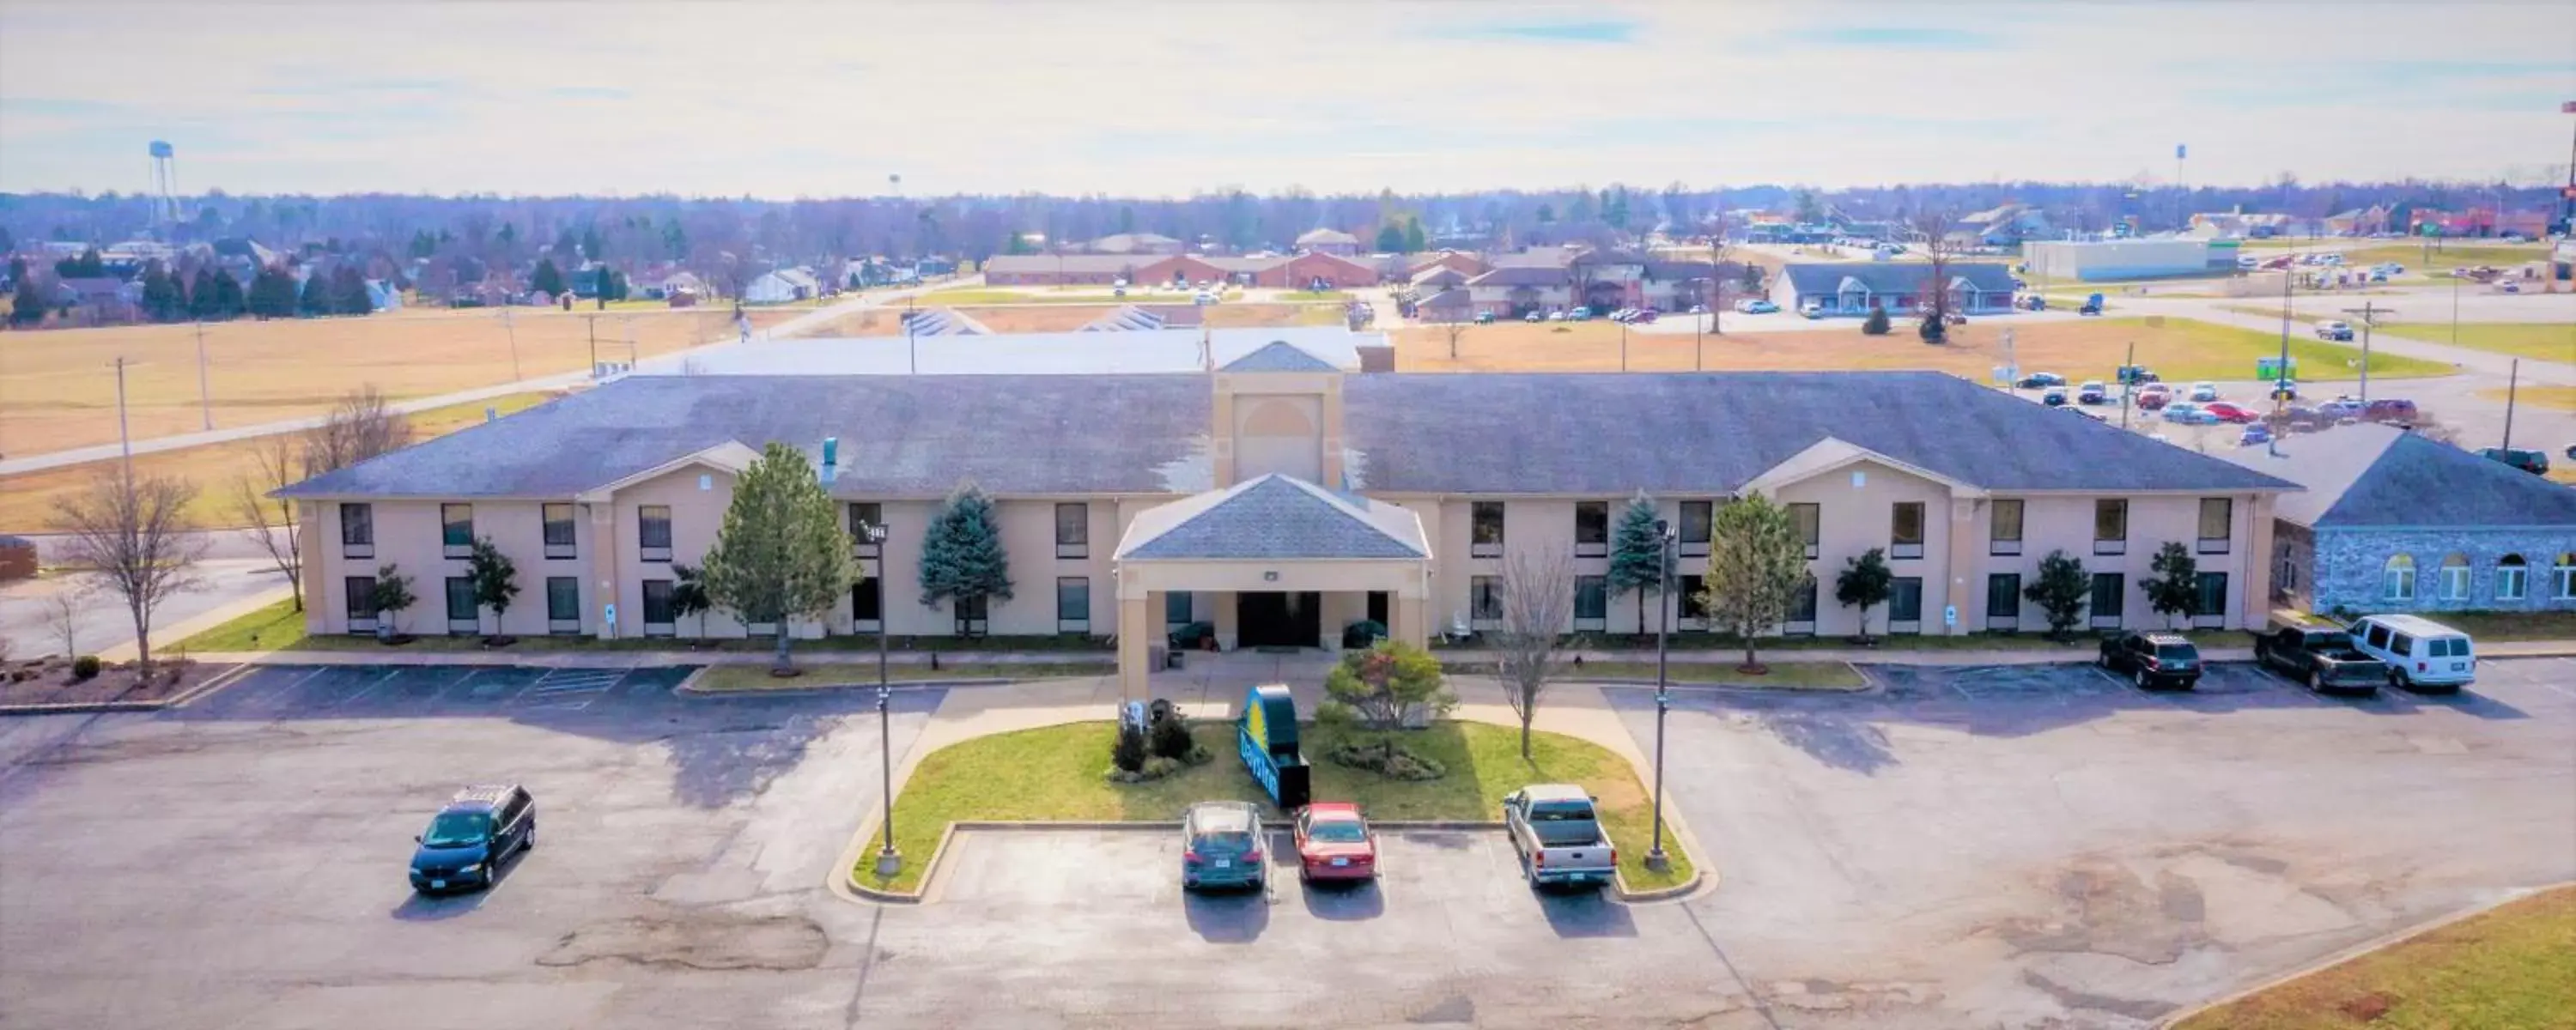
(26, 618)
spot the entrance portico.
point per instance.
(1280, 554)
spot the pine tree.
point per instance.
(316, 298)
(962, 559)
(230, 301)
(2061, 590)
(1390, 239)
(205, 300)
(1415, 240)
(782, 553)
(1877, 323)
(547, 279)
(349, 292)
(2175, 589)
(272, 294)
(1637, 556)
(1865, 583)
(27, 304)
(162, 299)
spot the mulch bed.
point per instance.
(51, 682)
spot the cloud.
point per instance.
(1587, 31)
(1884, 38)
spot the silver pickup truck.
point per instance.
(1557, 836)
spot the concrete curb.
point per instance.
(213, 683)
(2356, 951)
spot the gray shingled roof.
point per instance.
(1274, 517)
(1891, 276)
(1279, 356)
(2369, 475)
(1523, 275)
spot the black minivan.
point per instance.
(467, 839)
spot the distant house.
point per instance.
(781, 286)
(1449, 305)
(1329, 241)
(683, 282)
(96, 300)
(2392, 521)
(2360, 221)
(383, 296)
(1853, 288)
(2000, 226)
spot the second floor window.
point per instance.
(1905, 530)
(1810, 521)
(559, 531)
(2005, 537)
(1696, 519)
(2217, 514)
(863, 516)
(1073, 530)
(2110, 527)
(1485, 539)
(653, 532)
(1591, 529)
(456, 530)
(357, 531)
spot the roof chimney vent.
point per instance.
(831, 459)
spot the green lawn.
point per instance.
(2510, 625)
(2511, 967)
(278, 628)
(275, 626)
(2212, 351)
(755, 676)
(1054, 773)
(1315, 295)
(2452, 255)
(2540, 340)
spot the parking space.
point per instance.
(340, 691)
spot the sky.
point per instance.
(1153, 99)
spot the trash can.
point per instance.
(1157, 656)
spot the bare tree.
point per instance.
(1538, 604)
(63, 610)
(1938, 250)
(1454, 328)
(133, 534)
(278, 461)
(362, 425)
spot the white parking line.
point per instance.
(370, 688)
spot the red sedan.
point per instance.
(2227, 412)
(1334, 843)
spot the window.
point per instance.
(1905, 530)
(2454, 579)
(1485, 602)
(357, 531)
(1591, 602)
(1073, 530)
(1176, 609)
(867, 605)
(1591, 529)
(559, 531)
(1810, 521)
(1073, 604)
(462, 616)
(1379, 603)
(1694, 607)
(2211, 610)
(2217, 515)
(653, 532)
(2562, 574)
(2005, 535)
(1801, 621)
(1905, 605)
(360, 593)
(2512, 579)
(2003, 602)
(863, 516)
(658, 620)
(2397, 579)
(974, 616)
(2110, 527)
(2110, 599)
(1697, 516)
(563, 604)
(456, 530)
(2378, 636)
(1485, 538)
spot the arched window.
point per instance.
(2563, 573)
(2397, 579)
(2455, 577)
(2512, 579)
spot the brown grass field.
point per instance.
(27, 499)
(2179, 349)
(1057, 318)
(58, 390)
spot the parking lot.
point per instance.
(2014, 846)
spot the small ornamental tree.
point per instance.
(1756, 563)
(1377, 687)
(2174, 591)
(1865, 583)
(962, 560)
(495, 578)
(392, 596)
(1877, 324)
(689, 594)
(782, 554)
(2061, 591)
(1637, 556)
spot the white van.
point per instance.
(2420, 652)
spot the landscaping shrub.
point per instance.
(85, 667)
(1171, 738)
(1361, 635)
(1877, 324)
(1385, 758)
(1158, 767)
(1128, 753)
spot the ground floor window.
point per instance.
(2397, 579)
(563, 604)
(1694, 604)
(2455, 578)
(1073, 604)
(1802, 611)
(2110, 599)
(973, 618)
(2563, 571)
(867, 606)
(360, 592)
(2512, 578)
(1591, 602)
(2003, 602)
(1905, 605)
(1485, 602)
(658, 620)
(460, 606)
(2210, 611)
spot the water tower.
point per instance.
(165, 183)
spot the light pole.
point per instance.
(888, 860)
(1655, 858)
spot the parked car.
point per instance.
(2420, 652)
(1558, 836)
(2031, 302)
(1484, 318)
(2321, 657)
(2152, 659)
(2256, 433)
(1646, 317)
(2231, 413)
(2040, 380)
(2136, 374)
(2510, 286)
(2054, 397)
(468, 839)
(2534, 462)
(2285, 390)
(1812, 309)
(1221, 846)
(1557, 315)
(2093, 392)
(2204, 391)
(2153, 396)
(2390, 409)
(2092, 305)
(1578, 314)
(1533, 317)
(1758, 307)
(2190, 414)
(1334, 843)
(1699, 309)
(2337, 330)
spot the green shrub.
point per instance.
(1199, 755)
(1158, 767)
(1877, 324)
(84, 667)
(1385, 758)
(1171, 738)
(1128, 752)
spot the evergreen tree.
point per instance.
(1614, 210)
(316, 298)
(1415, 240)
(349, 292)
(962, 558)
(547, 279)
(7, 242)
(162, 299)
(27, 304)
(1808, 211)
(204, 300)
(422, 244)
(675, 242)
(509, 234)
(272, 294)
(2061, 591)
(229, 301)
(1756, 563)
(1546, 213)
(1877, 323)
(86, 266)
(591, 245)
(782, 553)
(2174, 592)
(1390, 239)
(616, 288)
(1637, 556)
(1865, 583)
(495, 578)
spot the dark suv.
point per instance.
(467, 840)
(2153, 659)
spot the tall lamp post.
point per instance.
(1655, 858)
(888, 860)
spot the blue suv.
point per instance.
(467, 840)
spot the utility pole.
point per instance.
(205, 397)
(2511, 386)
(2367, 311)
(513, 331)
(124, 437)
(1664, 537)
(592, 322)
(2128, 383)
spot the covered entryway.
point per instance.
(1271, 618)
